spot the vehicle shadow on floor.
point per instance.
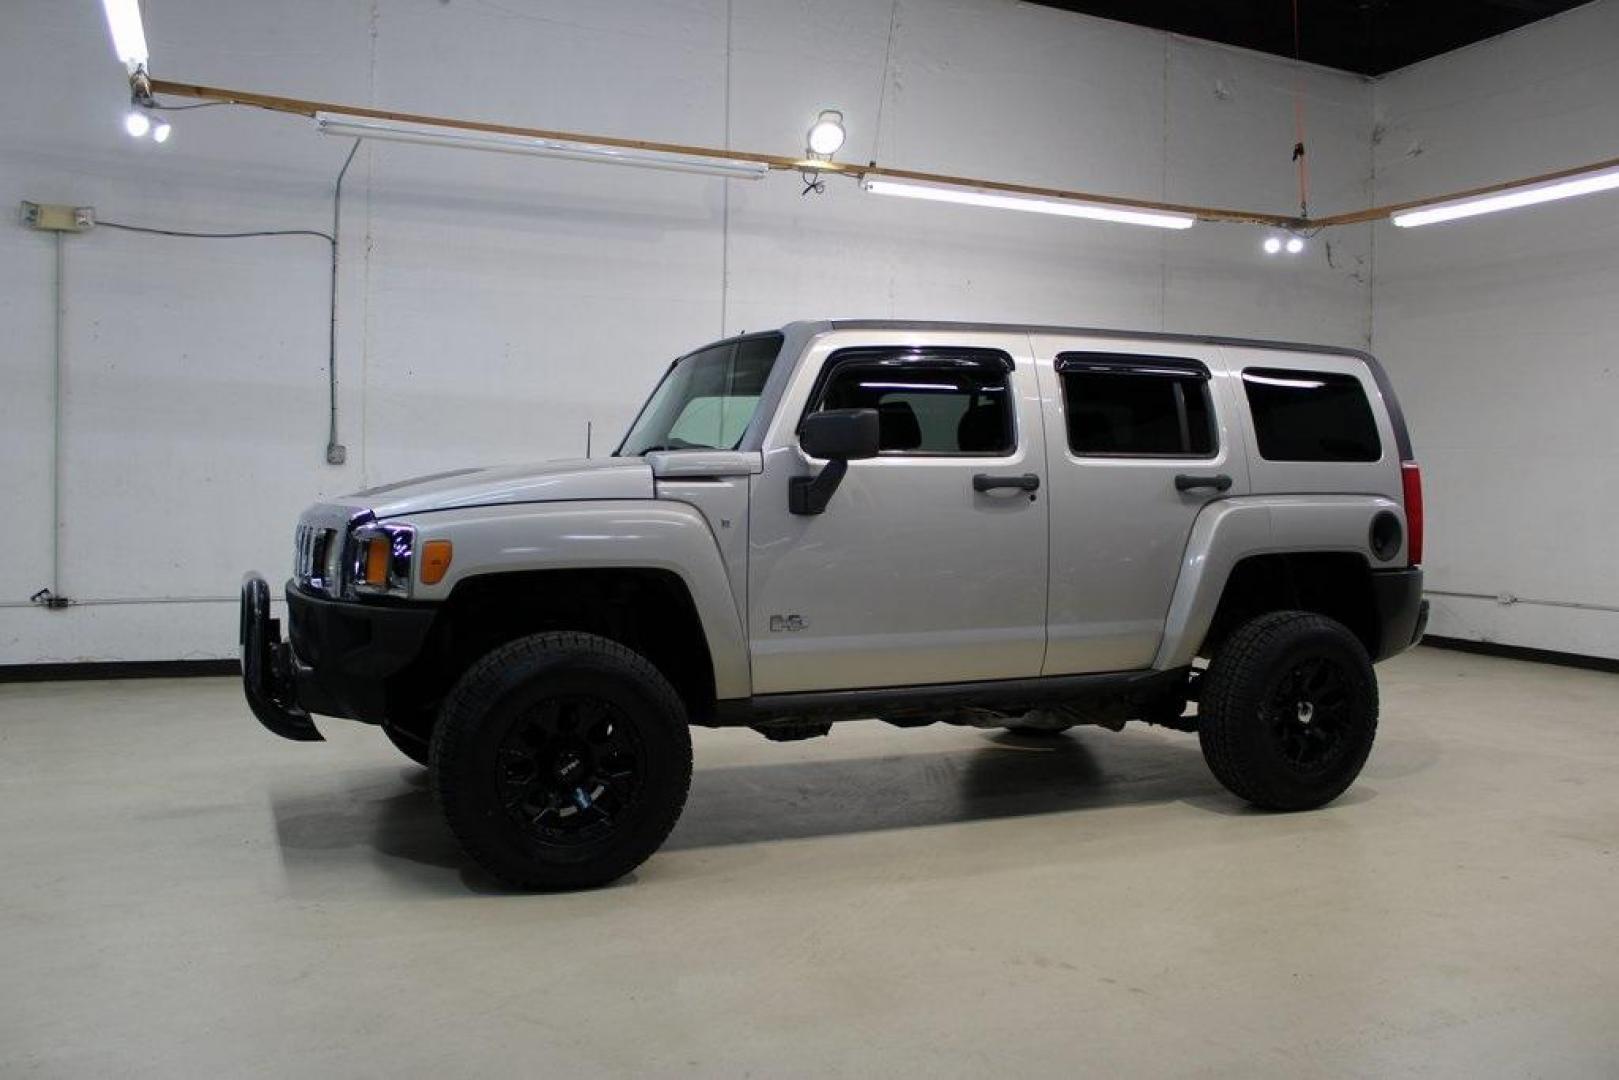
(1008, 776)
(386, 815)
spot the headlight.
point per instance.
(381, 559)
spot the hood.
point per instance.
(551, 481)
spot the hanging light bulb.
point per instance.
(1272, 245)
(826, 135)
(162, 130)
(1295, 245)
(137, 123)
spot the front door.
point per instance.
(1140, 437)
(929, 563)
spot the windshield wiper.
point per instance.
(675, 444)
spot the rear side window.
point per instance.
(1136, 406)
(1311, 416)
(928, 401)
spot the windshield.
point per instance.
(706, 399)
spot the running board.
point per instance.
(1005, 695)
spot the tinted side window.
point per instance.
(1132, 406)
(928, 401)
(1311, 416)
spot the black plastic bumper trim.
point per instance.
(342, 652)
(1401, 611)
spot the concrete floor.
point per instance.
(182, 894)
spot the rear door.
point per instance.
(1140, 436)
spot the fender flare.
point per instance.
(1230, 530)
(623, 534)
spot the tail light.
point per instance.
(1411, 487)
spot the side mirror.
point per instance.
(839, 436)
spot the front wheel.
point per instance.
(561, 761)
(1288, 711)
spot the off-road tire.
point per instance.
(501, 693)
(1243, 721)
(413, 746)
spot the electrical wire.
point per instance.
(191, 235)
(1508, 600)
(1299, 155)
(334, 449)
(163, 107)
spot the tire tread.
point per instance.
(1235, 673)
(504, 670)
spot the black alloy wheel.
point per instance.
(570, 769)
(561, 760)
(1287, 712)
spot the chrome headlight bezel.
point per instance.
(401, 557)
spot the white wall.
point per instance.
(491, 305)
(1502, 333)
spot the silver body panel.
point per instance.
(1118, 524)
(1230, 530)
(598, 535)
(550, 481)
(911, 577)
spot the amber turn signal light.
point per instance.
(377, 551)
(435, 561)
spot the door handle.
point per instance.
(1025, 482)
(1189, 482)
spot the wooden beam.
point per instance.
(1378, 213)
(302, 107)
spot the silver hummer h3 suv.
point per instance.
(1001, 526)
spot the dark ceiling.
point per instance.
(1367, 36)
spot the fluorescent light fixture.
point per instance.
(1037, 204)
(365, 127)
(1527, 195)
(128, 35)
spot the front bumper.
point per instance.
(336, 662)
(1402, 613)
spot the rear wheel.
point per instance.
(561, 761)
(1288, 711)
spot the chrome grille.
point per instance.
(317, 559)
(318, 543)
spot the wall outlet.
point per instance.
(53, 217)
